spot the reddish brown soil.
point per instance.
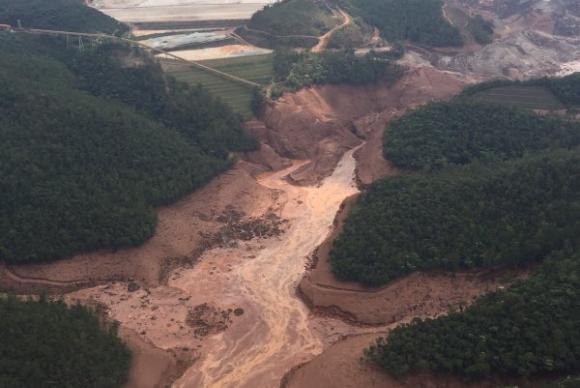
(416, 295)
(340, 366)
(417, 87)
(151, 367)
(177, 236)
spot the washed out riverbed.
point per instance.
(262, 329)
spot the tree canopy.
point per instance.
(294, 17)
(84, 161)
(294, 70)
(64, 15)
(458, 132)
(529, 329)
(419, 21)
(465, 217)
(51, 345)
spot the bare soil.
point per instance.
(179, 234)
(341, 366)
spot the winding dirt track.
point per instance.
(324, 39)
(279, 335)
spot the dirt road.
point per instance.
(324, 39)
(279, 335)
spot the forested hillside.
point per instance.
(81, 168)
(530, 329)
(294, 70)
(459, 132)
(490, 186)
(465, 217)
(49, 345)
(294, 17)
(64, 15)
(420, 21)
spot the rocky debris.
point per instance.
(524, 55)
(171, 263)
(132, 286)
(237, 227)
(206, 319)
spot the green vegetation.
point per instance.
(294, 17)
(64, 15)
(50, 345)
(295, 70)
(459, 132)
(525, 97)
(352, 36)
(481, 29)
(208, 123)
(465, 217)
(480, 199)
(256, 68)
(420, 21)
(542, 93)
(566, 382)
(92, 143)
(529, 329)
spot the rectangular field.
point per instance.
(256, 68)
(238, 96)
(529, 97)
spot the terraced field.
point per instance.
(529, 97)
(256, 68)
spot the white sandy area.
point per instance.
(194, 12)
(168, 3)
(229, 51)
(138, 32)
(569, 68)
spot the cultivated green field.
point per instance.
(256, 68)
(530, 97)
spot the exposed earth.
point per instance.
(218, 297)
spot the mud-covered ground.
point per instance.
(211, 300)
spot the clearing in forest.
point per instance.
(529, 97)
(256, 68)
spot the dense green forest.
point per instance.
(294, 70)
(459, 132)
(464, 217)
(205, 121)
(84, 163)
(64, 15)
(294, 17)
(420, 21)
(481, 29)
(50, 345)
(530, 329)
(566, 89)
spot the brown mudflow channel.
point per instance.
(279, 334)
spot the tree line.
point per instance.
(458, 132)
(490, 186)
(530, 329)
(51, 345)
(293, 70)
(480, 215)
(419, 21)
(64, 15)
(83, 164)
